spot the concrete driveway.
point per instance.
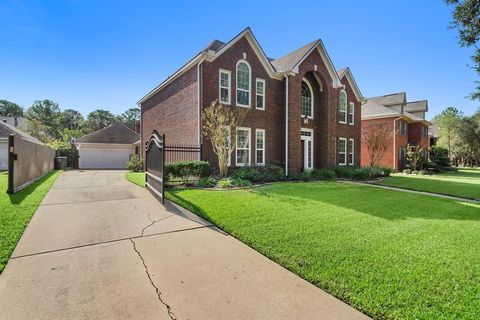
(100, 247)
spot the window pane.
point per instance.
(242, 139)
(306, 100)
(224, 95)
(342, 107)
(224, 81)
(259, 139)
(242, 156)
(260, 87)
(243, 97)
(341, 146)
(260, 102)
(259, 156)
(243, 76)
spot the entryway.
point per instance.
(306, 137)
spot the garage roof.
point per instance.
(6, 130)
(116, 133)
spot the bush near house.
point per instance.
(185, 170)
(135, 164)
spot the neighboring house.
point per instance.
(433, 134)
(107, 148)
(406, 121)
(5, 131)
(17, 122)
(304, 114)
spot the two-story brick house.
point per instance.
(304, 114)
(406, 122)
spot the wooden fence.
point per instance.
(28, 161)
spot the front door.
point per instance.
(307, 148)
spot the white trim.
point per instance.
(311, 92)
(286, 124)
(249, 84)
(346, 107)
(249, 146)
(229, 73)
(263, 149)
(305, 153)
(351, 104)
(257, 80)
(199, 104)
(353, 151)
(345, 152)
(353, 85)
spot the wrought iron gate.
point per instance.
(154, 165)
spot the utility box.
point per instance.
(61, 163)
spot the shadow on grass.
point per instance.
(18, 197)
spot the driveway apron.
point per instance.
(100, 247)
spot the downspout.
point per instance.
(395, 162)
(286, 124)
(199, 95)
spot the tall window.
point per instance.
(243, 146)
(403, 128)
(260, 84)
(351, 150)
(243, 84)
(425, 133)
(342, 151)
(351, 113)
(307, 100)
(342, 107)
(224, 86)
(260, 146)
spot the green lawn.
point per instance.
(136, 177)
(464, 183)
(391, 255)
(16, 211)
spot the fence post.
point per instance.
(163, 168)
(201, 151)
(11, 159)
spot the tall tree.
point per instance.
(71, 119)
(131, 118)
(448, 121)
(469, 140)
(466, 18)
(45, 111)
(99, 119)
(377, 139)
(10, 109)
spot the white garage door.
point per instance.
(107, 157)
(3, 155)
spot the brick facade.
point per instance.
(174, 109)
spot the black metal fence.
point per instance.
(154, 165)
(182, 152)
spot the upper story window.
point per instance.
(224, 86)
(243, 84)
(403, 128)
(351, 113)
(307, 100)
(425, 133)
(342, 107)
(260, 89)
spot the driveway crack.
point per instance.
(152, 222)
(158, 292)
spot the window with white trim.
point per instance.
(351, 113)
(342, 151)
(260, 146)
(243, 84)
(243, 147)
(307, 100)
(351, 150)
(342, 107)
(224, 86)
(260, 89)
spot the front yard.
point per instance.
(390, 254)
(16, 211)
(464, 183)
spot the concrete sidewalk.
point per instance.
(100, 247)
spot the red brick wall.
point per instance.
(173, 111)
(415, 131)
(387, 159)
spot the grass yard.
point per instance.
(136, 177)
(16, 211)
(390, 254)
(464, 183)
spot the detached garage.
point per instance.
(108, 148)
(5, 131)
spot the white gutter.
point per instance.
(395, 162)
(286, 124)
(199, 103)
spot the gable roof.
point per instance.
(390, 99)
(288, 61)
(116, 133)
(417, 106)
(345, 72)
(379, 107)
(6, 130)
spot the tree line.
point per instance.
(459, 135)
(49, 124)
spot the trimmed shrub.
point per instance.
(386, 171)
(225, 183)
(187, 169)
(238, 182)
(407, 171)
(207, 182)
(439, 155)
(323, 174)
(344, 172)
(268, 173)
(135, 164)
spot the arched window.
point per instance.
(243, 84)
(342, 107)
(307, 100)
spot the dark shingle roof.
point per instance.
(6, 130)
(115, 133)
(390, 99)
(287, 62)
(414, 106)
(215, 45)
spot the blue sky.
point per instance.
(108, 54)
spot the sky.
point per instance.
(87, 54)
